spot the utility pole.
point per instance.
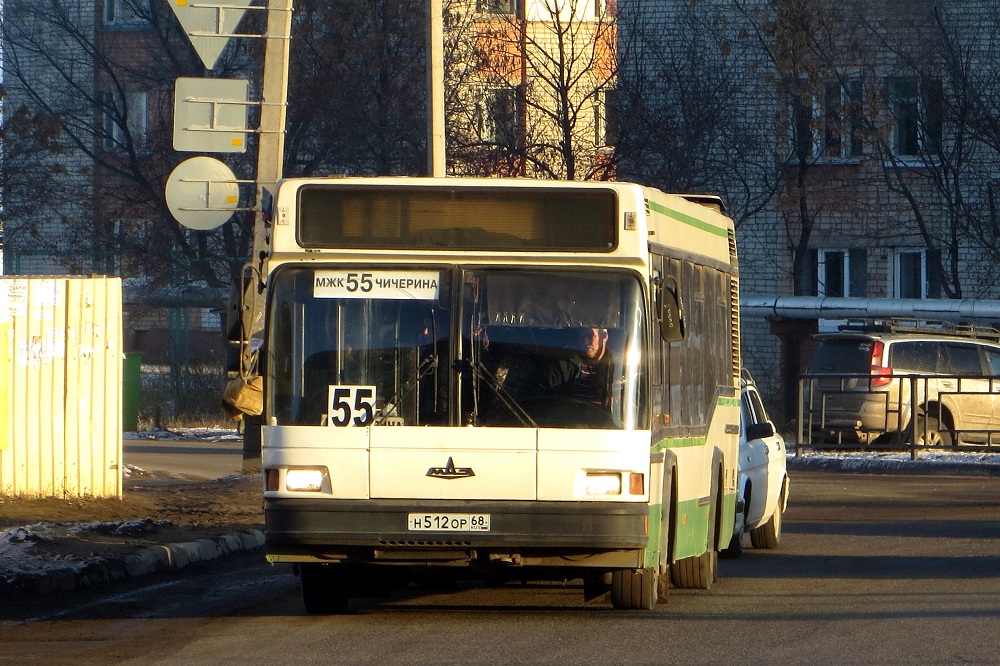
(270, 158)
(435, 92)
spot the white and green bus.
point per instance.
(499, 379)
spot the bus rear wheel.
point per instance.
(635, 589)
(696, 573)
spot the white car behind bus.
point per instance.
(763, 479)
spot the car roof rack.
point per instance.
(921, 327)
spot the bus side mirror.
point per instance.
(671, 315)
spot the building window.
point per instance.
(827, 122)
(605, 8)
(803, 124)
(842, 119)
(497, 6)
(607, 121)
(126, 13)
(914, 274)
(838, 272)
(125, 124)
(916, 109)
(496, 116)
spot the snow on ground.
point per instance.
(18, 555)
(188, 434)
(963, 457)
(18, 552)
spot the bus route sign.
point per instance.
(375, 284)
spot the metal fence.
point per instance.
(898, 411)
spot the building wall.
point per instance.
(849, 198)
(53, 195)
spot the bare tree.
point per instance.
(947, 124)
(690, 107)
(107, 83)
(357, 88)
(808, 44)
(533, 104)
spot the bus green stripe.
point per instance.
(687, 219)
(685, 442)
(678, 443)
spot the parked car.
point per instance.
(860, 384)
(763, 479)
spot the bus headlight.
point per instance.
(305, 479)
(604, 483)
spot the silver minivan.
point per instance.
(859, 384)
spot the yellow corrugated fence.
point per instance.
(60, 404)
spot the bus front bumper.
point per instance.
(599, 534)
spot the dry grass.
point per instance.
(182, 397)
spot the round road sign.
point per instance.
(202, 193)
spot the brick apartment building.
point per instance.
(864, 143)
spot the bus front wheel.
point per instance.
(324, 590)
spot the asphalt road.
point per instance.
(871, 570)
(185, 459)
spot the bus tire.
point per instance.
(696, 573)
(323, 590)
(634, 589)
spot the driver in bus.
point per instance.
(586, 374)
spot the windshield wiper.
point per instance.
(480, 371)
(427, 366)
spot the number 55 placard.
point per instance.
(350, 405)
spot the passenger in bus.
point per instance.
(586, 374)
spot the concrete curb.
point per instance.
(868, 466)
(165, 558)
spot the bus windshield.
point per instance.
(455, 346)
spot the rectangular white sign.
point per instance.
(350, 405)
(377, 285)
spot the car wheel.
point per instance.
(768, 535)
(930, 433)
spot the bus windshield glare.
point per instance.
(425, 345)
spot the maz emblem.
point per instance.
(449, 471)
